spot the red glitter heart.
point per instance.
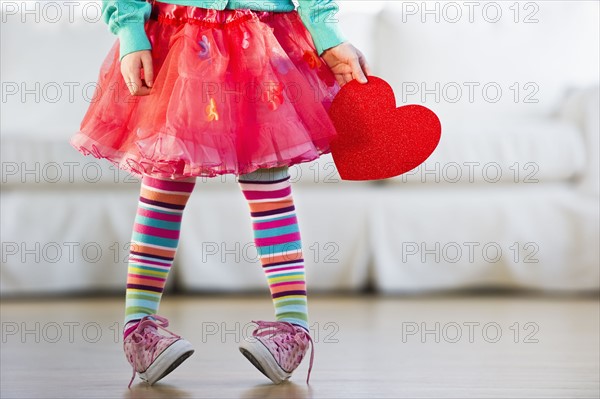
(375, 139)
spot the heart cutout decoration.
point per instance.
(375, 139)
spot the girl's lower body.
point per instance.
(236, 92)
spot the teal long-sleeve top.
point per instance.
(126, 19)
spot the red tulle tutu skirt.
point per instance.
(234, 91)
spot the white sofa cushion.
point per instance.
(583, 109)
(52, 57)
(503, 151)
(542, 58)
(443, 238)
(65, 241)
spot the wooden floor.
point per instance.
(366, 347)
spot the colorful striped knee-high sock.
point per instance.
(153, 244)
(277, 238)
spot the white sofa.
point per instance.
(509, 199)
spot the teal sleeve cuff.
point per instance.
(319, 17)
(327, 38)
(132, 37)
(127, 19)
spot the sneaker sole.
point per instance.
(263, 360)
(167, 361)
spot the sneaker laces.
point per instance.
(145, 340)
(291, 335)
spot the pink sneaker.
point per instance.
(277, 348)
(151, 354)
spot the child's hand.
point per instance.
(130, 69)
(347, 63)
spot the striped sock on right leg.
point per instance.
(154, 243)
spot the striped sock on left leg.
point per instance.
(277, 238)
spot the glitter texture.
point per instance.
(375, 139)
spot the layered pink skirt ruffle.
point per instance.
(234, 91)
